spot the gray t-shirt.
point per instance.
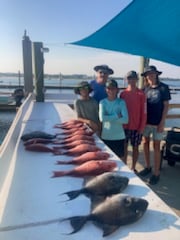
(87, 109)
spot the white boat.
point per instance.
(6, 99)
(30, 201)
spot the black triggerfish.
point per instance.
(115, 211)
(104, 185)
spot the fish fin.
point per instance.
(95, 200)
(73, 194)
(77, 222)
(108, 229)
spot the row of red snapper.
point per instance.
(76, 140)
(109, 207)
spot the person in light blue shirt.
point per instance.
(113, 114)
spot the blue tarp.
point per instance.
(149, 28)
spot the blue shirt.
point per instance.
(99, 91)
(112, 124)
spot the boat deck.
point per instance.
(30, 201)
(168, 186)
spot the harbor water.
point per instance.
(6, 118)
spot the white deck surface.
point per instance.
(30, 201)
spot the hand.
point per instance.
(160, 128)
(119, 115)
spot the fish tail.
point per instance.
(58, 174)
(73, 194)
(57, 151)
(65, 146)
(28, 142)
(57, 134)
(57, 125)
(56, 148)
(62, 162)
(77, 222)
(57, 142)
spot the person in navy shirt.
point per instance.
(158, 96)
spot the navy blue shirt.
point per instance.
(99, 91)
(155, 102)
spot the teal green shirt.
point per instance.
(112, 124)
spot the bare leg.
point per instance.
(146, 143)
(125, 153)
(135, 155)
(157, 157)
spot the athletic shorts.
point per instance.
(152, 131)
(117, 146)
(134, 137)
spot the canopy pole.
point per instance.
(144, 62)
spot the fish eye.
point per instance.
(112, 179)
(128, 201)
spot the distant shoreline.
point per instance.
(72, 76)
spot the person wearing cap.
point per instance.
(136, 104)
(113, 114)
(86, 107)
(98, 85)
(158, 96)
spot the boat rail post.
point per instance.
(38, 69)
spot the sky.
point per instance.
(56, 23)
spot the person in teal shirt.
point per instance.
(113, 114)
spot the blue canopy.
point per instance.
(145, 28)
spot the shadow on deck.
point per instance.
(168, 186)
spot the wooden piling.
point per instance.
(27, 64)
(38, 69)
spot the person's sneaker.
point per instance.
(145, 172)
(154, 179)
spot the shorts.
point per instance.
(134, 137)
(117, 146)
(152, 130)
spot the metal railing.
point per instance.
(172, 106)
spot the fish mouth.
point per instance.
(123, 185)
(142, 208)
(139, 213)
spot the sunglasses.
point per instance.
(103, 72)
(111, 88)
(85, 88)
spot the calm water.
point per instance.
(71, 82)
(6, 117)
